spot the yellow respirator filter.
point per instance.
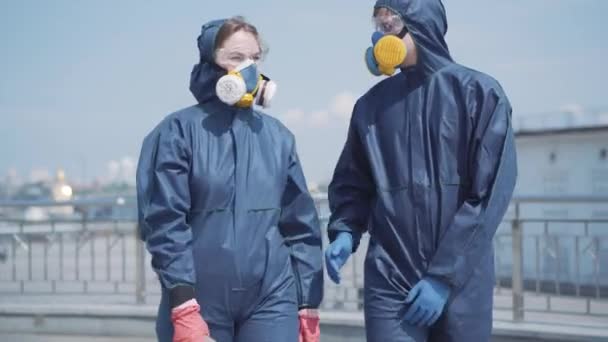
(389, 52)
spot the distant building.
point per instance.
(562, 155)
(33, 192)
(565, 161)
(55, 190)
(61, 192)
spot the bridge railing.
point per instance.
(551, 255)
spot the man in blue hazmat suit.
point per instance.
(224, 209)
(428, 169)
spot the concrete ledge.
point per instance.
(552, 326)
(138, 321)
(64, 321)
(92, 310)
(529, 331)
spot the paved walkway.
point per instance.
(138, 320)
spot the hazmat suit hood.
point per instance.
(206, 73)
(427, 23)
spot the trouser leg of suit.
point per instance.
(242, 316)
(274, 318)
(383, 329)
(384, 316)
(385, 305)
(468, 314)
(283, 327)
(450, 328)
(460, 321)
(454, 327)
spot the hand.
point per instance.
(427, 299)
(309, 325)
(188, 324)
(336, 255)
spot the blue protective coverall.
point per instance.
(224, 211)
(428, 169)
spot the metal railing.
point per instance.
(556, 262)
(70, 258)
(550, 256)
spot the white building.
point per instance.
(563, 155)
(566, 161)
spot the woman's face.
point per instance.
(237, 49)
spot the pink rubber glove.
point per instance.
(309, 325)
(188, 324)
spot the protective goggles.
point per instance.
(389, 22)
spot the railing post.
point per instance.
(518, 266)
(140, 268)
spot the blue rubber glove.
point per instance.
(427, 300)
(336, 255)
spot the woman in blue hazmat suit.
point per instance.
(224, 209)
(428, 169)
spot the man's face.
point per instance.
(388, 22)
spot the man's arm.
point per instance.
(493, 173)
(352, 189)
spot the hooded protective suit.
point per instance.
(428, 169)
(224, 210)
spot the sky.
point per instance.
(82, 82)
